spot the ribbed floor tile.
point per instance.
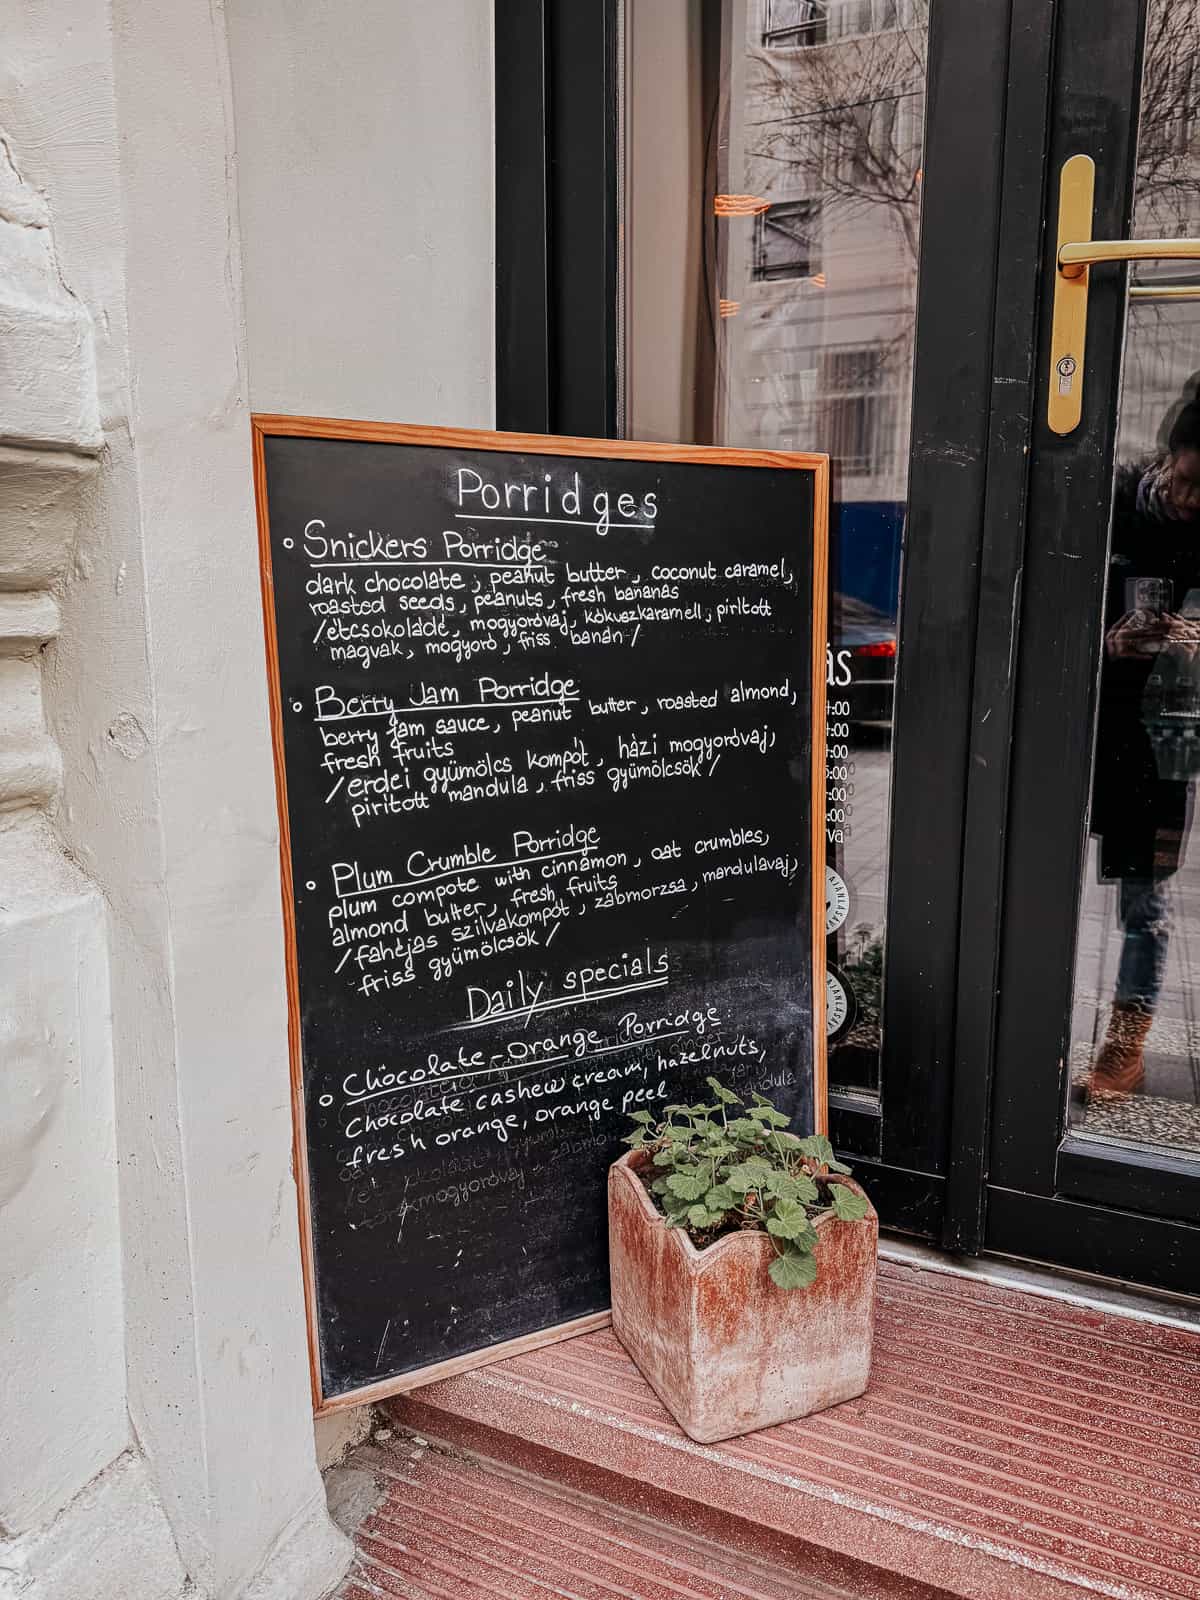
(1010, 1447)
(454, 1529)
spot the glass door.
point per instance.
(1095, 1147)
(834, 224)
(771, 299)
(794, 174)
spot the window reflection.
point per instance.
(791, 24)
(795, 22)
(773, 195)
(1135, 1048)
(786, 241)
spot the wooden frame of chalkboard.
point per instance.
(341, 1392)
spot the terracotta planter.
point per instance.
(724, 1349)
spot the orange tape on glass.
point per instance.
(739, 205)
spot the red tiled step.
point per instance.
(454, 1529)
(1010, 1447)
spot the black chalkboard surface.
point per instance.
(552, 847)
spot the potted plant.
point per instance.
(743, 1266)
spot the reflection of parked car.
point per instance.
(863, 668)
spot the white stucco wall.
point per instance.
(62, 1368)
(365, 177)
(62, 1379)
(153, 1007)
(211, 1373)
(367, 225)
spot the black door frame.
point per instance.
(556, 78)
(954, 907)
(1014, 387)
(1128, 1213)
(556, 353)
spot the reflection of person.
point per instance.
(1141, 794)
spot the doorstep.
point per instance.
(443, 1527)
(1010, 1446)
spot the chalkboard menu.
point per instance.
(552, 848)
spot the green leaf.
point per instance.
(782, 1185)
(849, 1205)
(715, 1218)
(724, 1095)
(636, 1139)
(788, 1220)
(818, 1148)
(665, 1158)
(806, 1189)
(643, 1117)
(698, 1216)
(720, 1195)
(659, 1186)
(796, 1270)
(687, 1185)
(769, 1117)
(748, 1174)
(742, 1128)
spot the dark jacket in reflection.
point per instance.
(1140, 817)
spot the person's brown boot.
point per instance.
(1121, 1064)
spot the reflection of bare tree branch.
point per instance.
(845, 118)
(1168, 159)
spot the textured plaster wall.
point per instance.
(62, 1384)
(365, 178)
(62, 1378)
(222, 1394)
(119, 119)
(365, 198)
(154, 1336)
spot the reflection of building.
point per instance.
(1163, 329)
(822, 126)
(828, 130)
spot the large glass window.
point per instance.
(771, 216)
(1135, 1037)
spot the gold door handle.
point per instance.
(1073, 259)
(1075, 254)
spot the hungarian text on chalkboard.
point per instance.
(552, 824)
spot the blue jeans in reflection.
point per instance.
(1144, 915)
